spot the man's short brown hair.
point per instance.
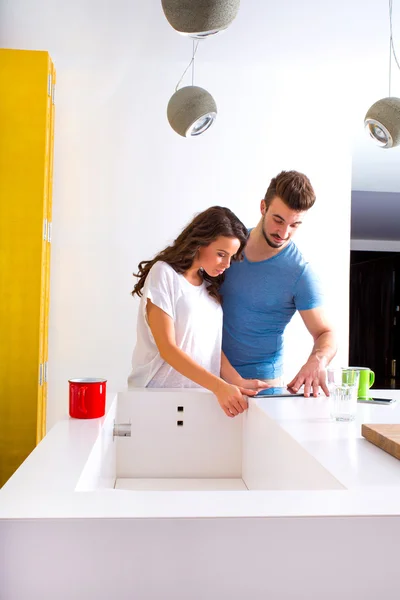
(293, 188)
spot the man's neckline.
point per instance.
(280, 253)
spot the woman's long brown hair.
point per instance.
(205, 228)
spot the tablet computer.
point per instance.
(278, 392)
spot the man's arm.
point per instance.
(313, 373)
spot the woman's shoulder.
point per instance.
(162, 268)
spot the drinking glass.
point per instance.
(343, 388)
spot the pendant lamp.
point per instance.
(382, 121)
(191, 111)
(200, 18)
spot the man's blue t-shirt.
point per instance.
(259, 299)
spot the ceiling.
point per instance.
(375, 215)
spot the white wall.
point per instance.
(125, 183)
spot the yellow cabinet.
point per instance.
(27, 80)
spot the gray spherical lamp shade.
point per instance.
(191, 111)
(200, 18)
(382, 122)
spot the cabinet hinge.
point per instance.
(49, 79)
(45, 370)
(49, 229)
(45, 229)
(53, 93)
(41, 374)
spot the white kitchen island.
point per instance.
(280, 503)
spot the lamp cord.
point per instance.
(193, 55)
(391, 47)
(191, 64)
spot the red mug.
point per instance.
(87, 398)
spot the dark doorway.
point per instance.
(375, 315)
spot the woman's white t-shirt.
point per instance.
(197, 320)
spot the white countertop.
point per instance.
(43, 487)
(339, 446)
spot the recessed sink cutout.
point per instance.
(210, 452)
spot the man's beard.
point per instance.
(271, 244)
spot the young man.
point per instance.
(262, 293)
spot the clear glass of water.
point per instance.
(343, 389)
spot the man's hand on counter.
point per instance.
(312, 375)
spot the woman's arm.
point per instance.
(229, 373)
(162, 327)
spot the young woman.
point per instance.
(179, 326)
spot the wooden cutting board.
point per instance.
(386, 437)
